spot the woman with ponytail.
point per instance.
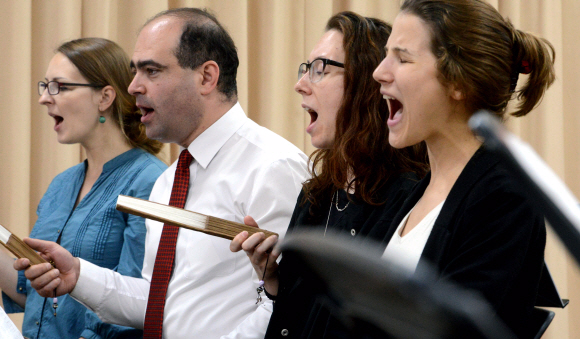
(85, 92)
(445, 60)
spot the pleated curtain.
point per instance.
(273, 37)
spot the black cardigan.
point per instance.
(297, 311)
(488, 238)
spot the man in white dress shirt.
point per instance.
(185, 67)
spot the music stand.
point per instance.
(362, 289)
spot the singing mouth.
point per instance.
(313, 115)
(57, 119)
(145, 110)
(395, 107)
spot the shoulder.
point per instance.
(130, 165)
(63, 183)
(68, 176)
(139, 173)
(145, 167)
(490, 180)
(482, 175)
(70, 172)
(486, 194)
(149, 162)
(267, 156)
(269, 144)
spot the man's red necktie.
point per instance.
(153, 327)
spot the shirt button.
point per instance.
(20, 288)
(284, 332)
(57, 231)
(37, 323)
(353, 232)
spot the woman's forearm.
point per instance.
(9, 278)
(271, 285)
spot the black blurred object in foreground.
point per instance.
(376, 299)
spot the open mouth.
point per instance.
(57, 119)
(313, 118)
(313, 115)
(395, 111)
(395, 108)
(146, 110)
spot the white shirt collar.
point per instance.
(207, 144)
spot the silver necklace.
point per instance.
(336, 204)
(330, 210)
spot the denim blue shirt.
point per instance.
(94, 231)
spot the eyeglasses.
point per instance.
(316, 68)
(54, 86)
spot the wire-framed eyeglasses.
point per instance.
(54, 86)
(316, 68)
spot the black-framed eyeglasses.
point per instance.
(54, 86)
(316, 68)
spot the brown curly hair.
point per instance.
(361, 144)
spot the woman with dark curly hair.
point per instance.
(359, 181)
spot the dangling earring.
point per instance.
(102, 118)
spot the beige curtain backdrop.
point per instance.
(273, 37)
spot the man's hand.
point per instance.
(43, 277)
(261, 251)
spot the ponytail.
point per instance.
(535, 56)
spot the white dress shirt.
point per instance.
(239, 169)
